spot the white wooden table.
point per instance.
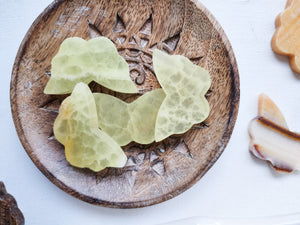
(237, 185)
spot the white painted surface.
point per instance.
(236, 186)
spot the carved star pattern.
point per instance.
(137, 51)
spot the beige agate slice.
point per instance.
(185, 85)
(271, 140)
(76, 127)
(84, 61)
(286, 38)
(129, 122)
(268, 110)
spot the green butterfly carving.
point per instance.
(129, 122)
(185, 85)
(76, 127)
(84, 61)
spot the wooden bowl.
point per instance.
(155, 172)
(10, 214)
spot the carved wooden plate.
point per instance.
(10, 214)
(155, 172)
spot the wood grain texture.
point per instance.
(155, 172)
(10, 214)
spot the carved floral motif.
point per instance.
(137, 51)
